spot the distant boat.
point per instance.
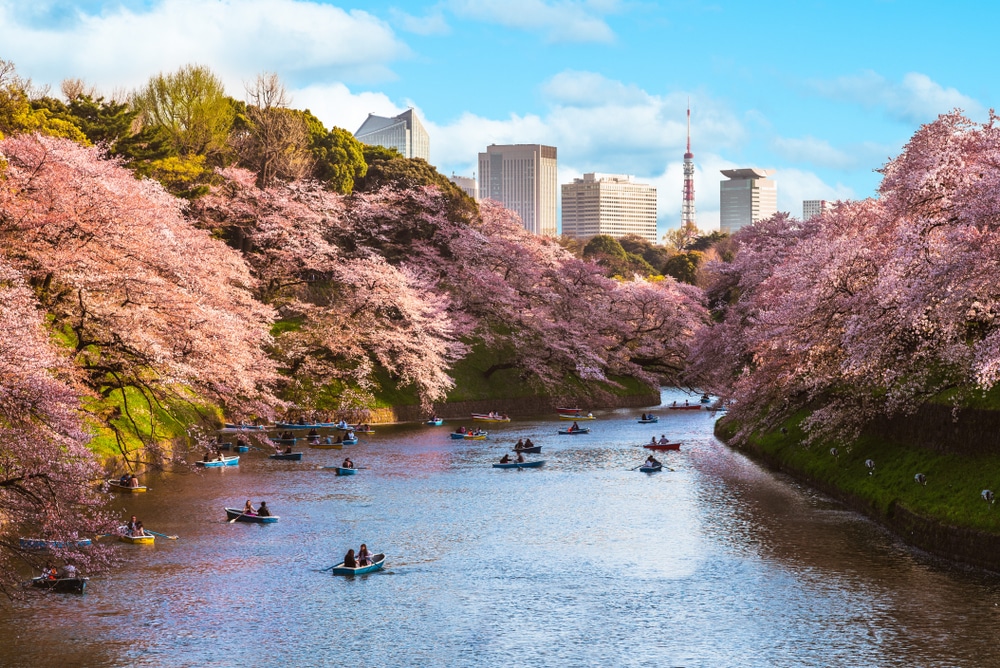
(40, 544)
(533, 448)
(436, 423)
(327, 446)
(574, 432)
(225, 461)
(62, 585)
(685, 407)
(378, 561)
(573, 416)
(519, 465)
(350, 441)
(117, 486)
(489, 417)
(651, 469)
(458, 435)
(569, 411)
(705, 399)
(244, 427)
(473, 436)
(364, 431)
(342, 471)
(663, 446)
(240, 516)
(649, 419)
(289, 456)
(311, 425)
(147, 539)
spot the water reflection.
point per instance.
(581, 562)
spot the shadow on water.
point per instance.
(581, 562)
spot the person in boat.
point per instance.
(349, 560)
(364, 556)
(67, 571)
(288, 449)
(520, 444)
(248, 508)
(575, 427)
(348, 464)
(313, 433)
(685, 402)
(528, 443)
(505, 459)
(301, 420)
(340, 439)
(133, 481)
(675, 403)
(50, 572)
(643, 417)
(664, 440)
(139, 531)
(263, 511)
(350, 436)
(520, 457)
(651, 462)
(131, 526)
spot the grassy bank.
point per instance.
(946, 516)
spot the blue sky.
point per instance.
(822, 92)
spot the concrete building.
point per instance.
(467, 184)
(523, 178)
(814, 207)
(405, 133)
(746, 197)
(609, 204)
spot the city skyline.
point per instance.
(605, 81)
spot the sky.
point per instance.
(823, 92)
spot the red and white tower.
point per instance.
(687, 204)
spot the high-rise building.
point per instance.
(687, 203)
(523, 178)
(467, 184)
(609, 204)
(746, 197)
(404, 132)
(814, 207)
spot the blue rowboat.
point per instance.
(533, 448)
(378, 561)
(436, 423)
(650, 420)
(574, 432)
(342, 471)
(225, 461)
(350, 441)
(284, 441)
(244, 427)
(520, 465)
(62, 585)
(457, 436)
(39, 544)
(240, 516)
(311, 425)
(651, 469)
(289, 456)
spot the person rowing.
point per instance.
(348, 464)
(651, 462)
(664, 440)
(520, 444)
(528, 443)
(520, 457)
(505, 459)
(575, 427)
(263, 511)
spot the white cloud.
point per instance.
(795, 185)
(336, 105)
(915, 99)
(298, 39)
(560, 21)
(432, 23)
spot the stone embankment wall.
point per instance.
(513, 407)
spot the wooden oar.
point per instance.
(236, 518)
(163, 535)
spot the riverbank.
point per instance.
(945, 516)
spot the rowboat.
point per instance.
(436, 423)
(117, 486)
(574, 432)
(705, 399)
(40, 544)
(289, 456)
(458, 436)
(225, 461)
(569, 411)
(240, 516)
(520, 465)
(284, 441)
(311, 425)
(234, 448)
(350, 441)
(244, 427)
(342, 471)
(476, 437)
(62, 585)
(686, 407)
(326, 446)
(570, 416)
(649, 420)
(486, 417)
(364, 431)
(137, 540)
(378, 561)
(663, 446)
(651, 469)
(533, 448)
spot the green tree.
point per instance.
(388, 168)
(339, 159)
(19, 115)
(684, 266)
(191, 106)
(681, 238)
(653, 254)
(609, 253)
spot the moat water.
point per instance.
(583, 562)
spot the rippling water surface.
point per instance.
(581, 563)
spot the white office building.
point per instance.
(523, 178)
(467, 184)
(813, 207)
(611, 204)
(405, 133)
(746, 197)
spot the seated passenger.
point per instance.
(528, 443)
(349, 560)
(664, 440)
(133, 481)
(519, 444)
(248, 508)
(263, 511)
(505, 459)
(520, 457)
(364, 557)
